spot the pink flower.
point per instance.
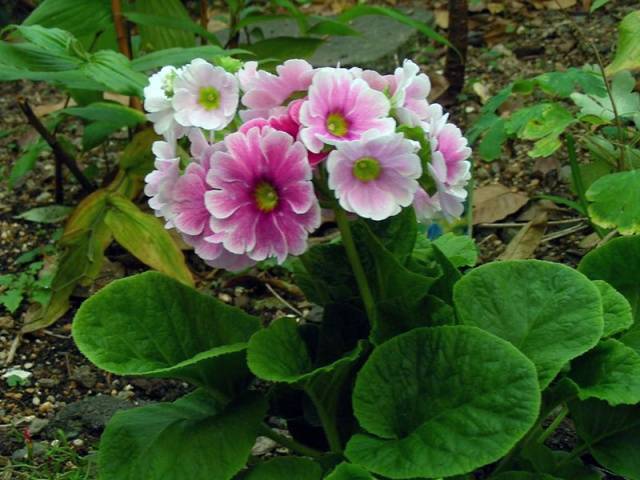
(426, 207)
(341, 108)
(205, 96)
(266, 94)
(161, 181)
(262, 203)
(407, 88)
(376, 176)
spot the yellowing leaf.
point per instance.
(628, 50)
(145, 237)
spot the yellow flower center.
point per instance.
(266, 197)
(209, 98)
(337, 124)
(366, 169)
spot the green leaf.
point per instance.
(622, 90)
(283, 48)
(49, 214)
(610, 371)
(25, 56)
(490, 147)
(159, 35)
(363, 10)
(145, 237)
(616, 308)
(328, 26)
(52, 39)
(618, 263)
(615, 201)
(114, 71)
(80, 17)
(546, 129)
(184, 24)
(461, 250)
(524, 476)
(152, 325)
(549, 311)
(108, 112)
(441, 401)
(210, 442)
(597, 4)
(611, 433)
(180, 56)
(349, 471)
(11, 299)
(25, 163)
(279, 468)
(627, 55)
(564, 83)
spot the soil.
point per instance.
(518, 42)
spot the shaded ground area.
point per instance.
(65, 393)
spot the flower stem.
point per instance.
(328, 423)
(552, 427)
(287, 442)
(356, 265)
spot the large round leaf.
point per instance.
(441, 401)
(611, 433)
(550, 312)
(616, 201)
(616, 309)
(610, 371)
(190, 439)
(152, 325)
(618, 263)
(349, 471)
(279, 468)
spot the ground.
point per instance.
(66, 393)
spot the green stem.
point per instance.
(287, 442)
(575, 453)
(552, 427)
(356, 265)
(328, 424)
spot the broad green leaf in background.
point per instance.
(627, 55)
(192, 438)
(180, 56)
(616, 309)
(611, 433)
(548, 311)
(524, 476)
(145, 237)
(152, 325)
(441, 401)
(160, 36)
(283, 48)
(618, 263)
(48, 214)
(80, 17)
(114, 71)
(563, 84)
(622, 90)
(349, 471)
(461, 250)
(180, 23)
(490, 147)
(25, 56)
(615, 202)
(279, 468)
(328, 26)
(610, 372)
(137, 158)
(546, 129)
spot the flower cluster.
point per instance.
(374, 140)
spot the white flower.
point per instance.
(157, 102)
(205, 96)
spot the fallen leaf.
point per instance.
(482, 91)
(532, 211)
(442, 18)
(560, 4)
(546, 164)
(495, 202)
(439, 85)
(590, 241)
(495, 7)
(527, 239)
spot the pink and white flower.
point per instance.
(161, 182)
(376, 176)
(205, 96)
(157, 102)
(341, 108)
(267, 95)
(262, 201)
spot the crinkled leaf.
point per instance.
(11, 299)
(452, 389)
(461, 250)
(158, 35)
(548, 311)
(546, 129)
(152, 325)
(349, 471)
(279, 468)
(192, 438)
(524, 476)
(114, 71)
(622, 90)
(627, 55)
(164, 24)
(564, 83)
(610, 372)
(615, 201)
(611, 433)
(616, 309)
(490, 147)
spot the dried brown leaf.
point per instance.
(442, 18)
(527, 239)
(495, 202)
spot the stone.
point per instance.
(39, 449)
(85, 376)
(37, 425)
(48, 382)
(90, 415)
(381, 42)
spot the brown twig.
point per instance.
(121, 30)
(456, 56)
(58, 151)
(13, 349)
(204, 17)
